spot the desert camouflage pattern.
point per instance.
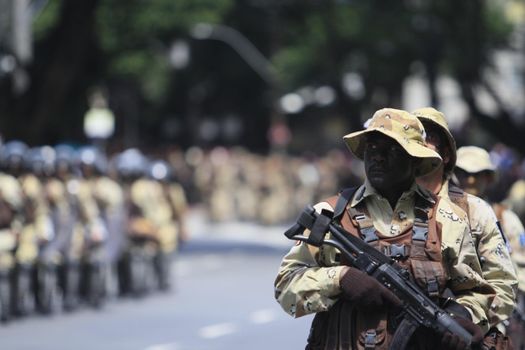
(36, 226)
(515, 234)
(496, 264)
(405, 129)
(308, 278)
(149, 196)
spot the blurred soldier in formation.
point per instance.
(354, 310)
(246, 193)
(222, 189)
(91, 228)
(475, 173)
(496, 265)
(136, 268)
(516, 199)
(71, 193)
(34, 252)
(276, 196)
(26, 252)
(109, 198)
(167, 194)
(10, 207)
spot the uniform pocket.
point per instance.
(429, 275)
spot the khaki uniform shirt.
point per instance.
(308, 278)
(496, 265)
(515, 233)
(11, 193)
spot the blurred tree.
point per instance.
(362, 50)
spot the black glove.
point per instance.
(365, 291)
(453, 342)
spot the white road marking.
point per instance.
(166, 346)
(262, 316)
(217, 330)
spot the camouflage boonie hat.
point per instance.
(405, 129)
(431, 115)
(474, 159)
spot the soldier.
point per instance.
(24, 225)
(475, 173)
(109, 198)
(516, 199)
(10, 208)
(136, 267)
(496, 265)
(355, 311)
(172, 226)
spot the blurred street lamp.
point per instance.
(241, 45)
(179, 54)
(99, 121)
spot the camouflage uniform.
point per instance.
(516, 198)
(309, 278)
(474, 161)
(496, 263)
(495, 260)
(11, 198)
(515, 233)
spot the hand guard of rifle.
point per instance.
(419, 309)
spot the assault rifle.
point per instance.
(419, 310)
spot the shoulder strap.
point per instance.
(459, 198)
(342, 201)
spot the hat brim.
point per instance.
(430, 160)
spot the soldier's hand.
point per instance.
(364, 290)
(453, 342)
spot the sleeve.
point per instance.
(303, 285)
(496, 264)
(516, 235)
(463, 265)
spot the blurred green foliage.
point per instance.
(122, 47)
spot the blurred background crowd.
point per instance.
(236, 107)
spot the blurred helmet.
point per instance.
(92, 157)
(41, 160)
(12, 154)
(131, 163)
(160, 170)
(65, 156)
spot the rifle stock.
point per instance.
(418, 308)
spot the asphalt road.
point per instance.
(222, 299)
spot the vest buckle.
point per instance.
(370, 339)
(420, 232)
(396, 251)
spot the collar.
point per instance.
(444, 190)
(366, 190)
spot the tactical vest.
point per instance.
(417, 249)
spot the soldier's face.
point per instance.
(436, 141)
(387, 165)
(475, 184)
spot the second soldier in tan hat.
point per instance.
(496, 265)
(353, 310)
